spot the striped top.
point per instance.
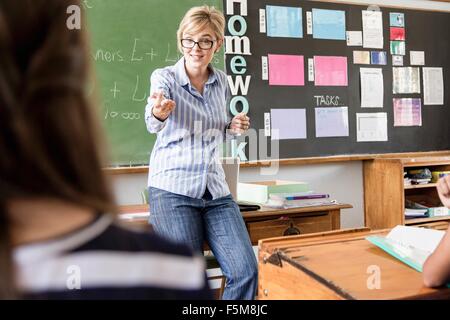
(105, 261)
(185, 158)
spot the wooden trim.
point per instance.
(425, 220)
(302, 161)
(399, 6)
(126, 170)
(420, 186)
(262, 213)
(274, 213)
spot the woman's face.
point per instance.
(199, 48)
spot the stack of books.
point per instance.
(299, 200)
(419, 176)
(420, 181)
(406, 179)
(415, 210)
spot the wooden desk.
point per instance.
(336, 265)
(269, 222)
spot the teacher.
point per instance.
(190, 201)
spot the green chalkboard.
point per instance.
(130, 39)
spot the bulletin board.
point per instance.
(426, 31)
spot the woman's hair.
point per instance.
(49, 132)
(199, 18)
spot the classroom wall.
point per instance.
(342, 180)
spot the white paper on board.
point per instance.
(433, 86)
(267, 124)
(372, 29)
(262, 20)
(354, 38)
(397, 61)
(417, 58)
(309, 23)
(310, 69)
(372, 88)
(264, 68)
(371, 127)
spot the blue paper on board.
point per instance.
(328, 24)
(284, 22)
(396, 19)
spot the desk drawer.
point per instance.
(288, 226)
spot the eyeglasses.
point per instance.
(202, 44)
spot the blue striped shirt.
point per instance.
(185, 158)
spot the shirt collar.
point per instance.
(182, 77)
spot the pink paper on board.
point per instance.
(330, 71)
(397, 34)
(286, 70)
(407, 112)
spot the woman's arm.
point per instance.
(158, 106)
(436, 269)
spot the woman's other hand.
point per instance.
(240, 123)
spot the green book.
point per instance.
(410, 245)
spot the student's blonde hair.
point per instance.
(199, 18)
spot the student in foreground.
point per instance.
(58, 239)
(436, 270)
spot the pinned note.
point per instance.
(417, 58)
(372, 88)
(264, 68)
(332, 122)
(397, 60)
(286, 70)
(398, 47)
(309, 23)
(406, 80)
(310, 69)
(396, 19)
(267, 124)
(407, 112)
(330, 71)
(361, 57)
(328, 24)
(372, 29)
(433, 86)
(284, 22)
(371, 127)
(262, 20)
(397, 33)
(378, 57)
(354, 38)
(288, 123)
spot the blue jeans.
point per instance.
(218, 222)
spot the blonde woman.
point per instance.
(190, 201)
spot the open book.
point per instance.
(411, 245)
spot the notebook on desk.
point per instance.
(411, 245)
